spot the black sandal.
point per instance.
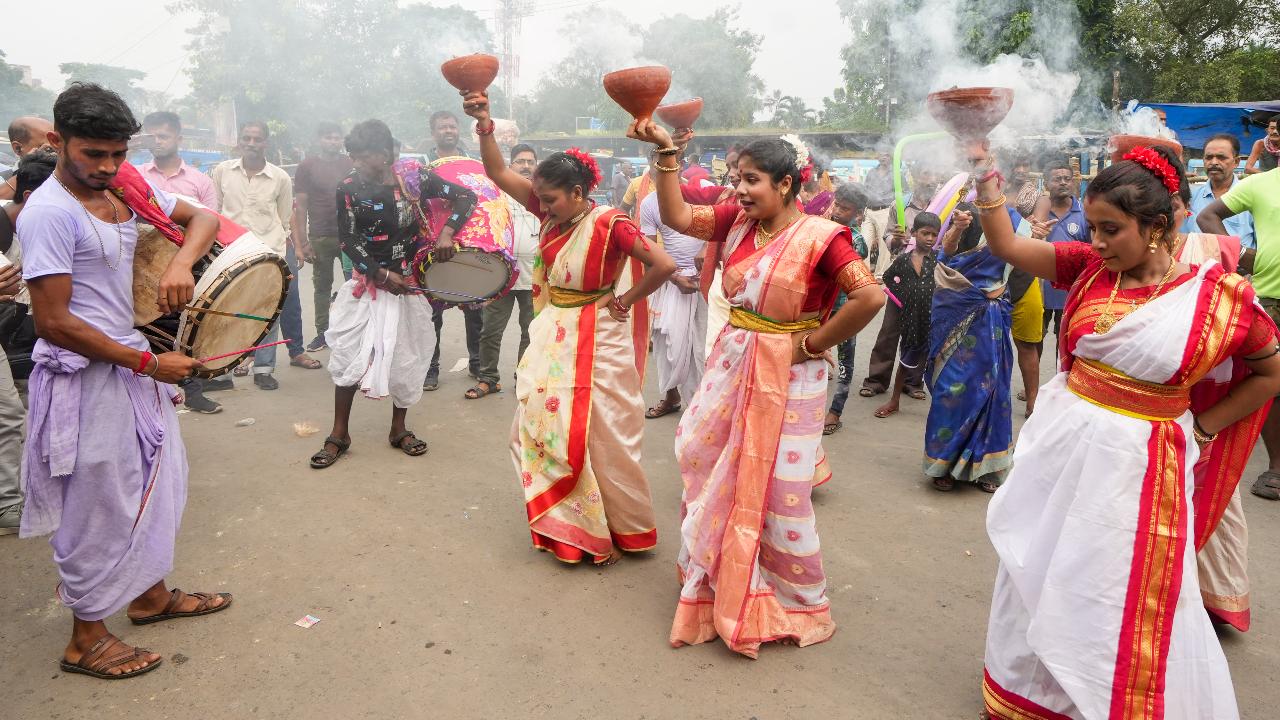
(327, 457)
(481, 389)
(413, 449)
(662, 408)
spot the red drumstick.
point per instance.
(241, 352)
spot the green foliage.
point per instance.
(1243, 75)
(293, 63)
(122, 80)
(18, 99)
(709, 58)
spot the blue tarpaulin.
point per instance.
(1196, 123)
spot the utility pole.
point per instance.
(508, 18)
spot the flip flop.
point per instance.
(326, 458)
(867, 392)
(882, 413)
(204, 607)
(831, 428)
(108, 653)
(476, 392)
(916, 394)
(414, 449)
(662, 408)
(306, 362)
(1267, 486)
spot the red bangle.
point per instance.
(147, 357)
(617, 305)
(492, 126)
(994, 173)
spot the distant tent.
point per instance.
(1195, 123)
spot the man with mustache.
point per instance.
(1221, 155)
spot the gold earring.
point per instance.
(1156, 237)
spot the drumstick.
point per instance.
(241, 352)
(448, 292)
(242, 316)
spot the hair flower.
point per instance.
(589, 163)
(802, 150)
(1157, 164)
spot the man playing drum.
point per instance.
(105, 468)
(378, 338)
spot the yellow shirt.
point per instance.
(262, 202)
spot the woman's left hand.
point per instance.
(621, 314)
(647, 130)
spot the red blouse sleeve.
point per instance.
(706, 195)
(712, 222)
(625, 236)
(839, 253)
(1072, 260)
(1261, 335)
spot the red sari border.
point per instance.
(1004, 705)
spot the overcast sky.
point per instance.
(144, 35)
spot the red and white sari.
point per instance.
(749, 446)
(1097, 609)
(580, 414)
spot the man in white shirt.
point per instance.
(497, 314)
(259, 196)
(679, 314)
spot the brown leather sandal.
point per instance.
(204, 607)
(106, 655)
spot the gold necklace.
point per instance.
(764, 237)
(1106, 320)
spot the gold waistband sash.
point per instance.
(1117, 392)
(567, 298)
(755, 322)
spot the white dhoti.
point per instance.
(381, 342)
(679, 327)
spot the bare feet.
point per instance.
(887, 409)
(614, 556)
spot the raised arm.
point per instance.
(676, 213)
(476, 104)
(1251, 165)
(1034, 256)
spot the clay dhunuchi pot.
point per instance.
(638, 90)
(682, 114)
(970, 113)
(1118, 145)
(470, 73)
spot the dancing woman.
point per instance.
(580, 413)
(1094, 525)
(749, 445)
(969, 433)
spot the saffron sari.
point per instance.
(969, 433)
(749, 447)
(1096, 609)
(580, 415)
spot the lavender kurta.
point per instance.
(104, 467)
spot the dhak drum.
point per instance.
(484, 267)
(245, 277)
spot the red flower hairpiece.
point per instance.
(806, 173)
(1155, 162)
(589, 163)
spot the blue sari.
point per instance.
(969, 433)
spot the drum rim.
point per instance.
(189, 324)
(507, 283)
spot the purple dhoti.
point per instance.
(105, 471)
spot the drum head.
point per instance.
(150, 260)
(254, 285)
(470, 276)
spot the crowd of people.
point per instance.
(1116, 515)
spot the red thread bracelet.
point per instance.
(146, 360)
(492, 126)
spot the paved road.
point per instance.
(432, 604)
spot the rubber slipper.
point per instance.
(867, 392)
(326, 458)
(1267, 486)
(943, 484)
(916, 394)
(831, 428)
(308, 363)
(204, 607)
(882, 413)
(413, 449)
(477, 392)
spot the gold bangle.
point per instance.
(990, 206)
(664, 168)
(804, 347)
(667, 152)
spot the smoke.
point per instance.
(1044, 75)
(1143, 121)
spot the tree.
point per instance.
(295, 63)
(572, 87)
(711, 58)
(124, 81)
(18, 99)
(792, 113)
